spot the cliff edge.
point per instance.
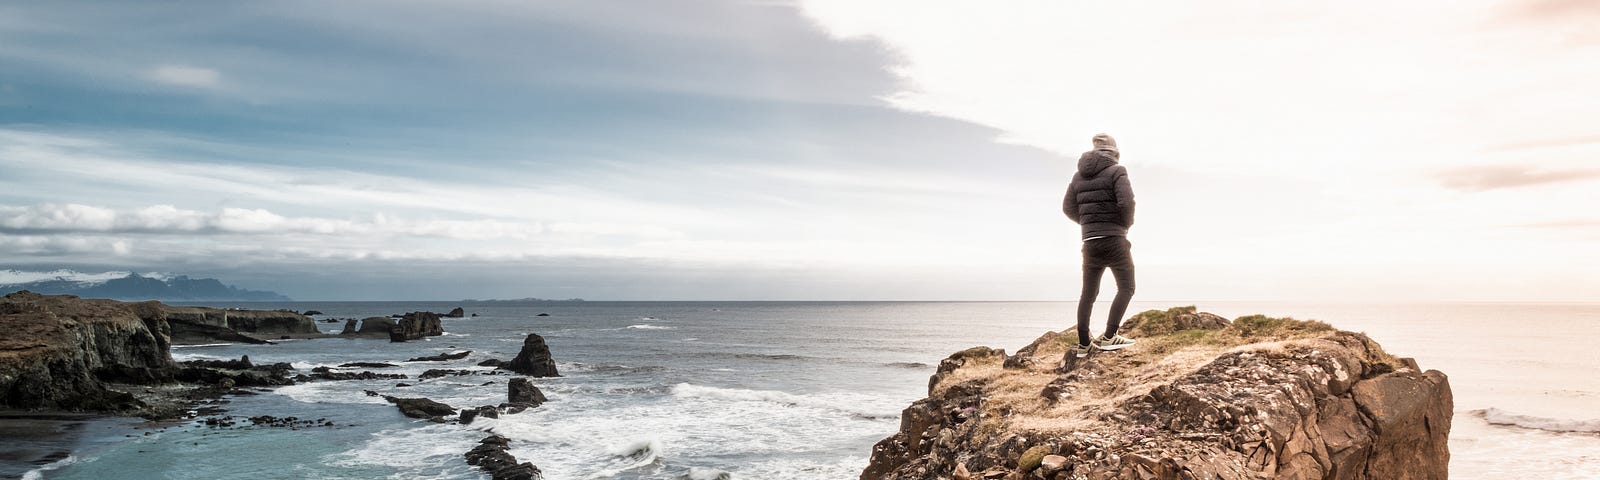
(58, 351)
(1200, 397)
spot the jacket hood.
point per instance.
(1094, 161)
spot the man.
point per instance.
(1100, 200)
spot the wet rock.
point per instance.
(367, 365)
(458, 312)
(520, 390)
(442, 357)
(534, 359)
(492, 457)
(421, 407)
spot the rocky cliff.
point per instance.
(201, 324)
(1199, 397)
(58, 352)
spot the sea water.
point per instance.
(708, 390)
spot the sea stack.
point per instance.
(1198, 397)
(534, 359)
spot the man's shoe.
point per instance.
(1081, 351)
(1114, 342)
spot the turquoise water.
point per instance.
(692, 390)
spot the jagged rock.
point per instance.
(326, 374)
(491, 456)
(534, 359)
(458, 312)
(421, 408)
(1257, 398)
(442, 357)
(520, 390)
(409, 326)
(469, 414)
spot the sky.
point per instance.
(808, 150)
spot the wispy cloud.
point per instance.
(1491, 177)
(185, 76)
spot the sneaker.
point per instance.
(1114, 342)
(1081, 351)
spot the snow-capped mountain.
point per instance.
(129, 286)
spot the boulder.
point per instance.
(534, 359)
(520, 390)
(458, 312)
(421, 407)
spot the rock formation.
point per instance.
(421, 408)
(202, 324)
(59, 351)
(521, 391)
(442, 357)
(491, 456)
(534, 359)
(458, 312)
(1198, 398)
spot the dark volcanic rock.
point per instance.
(542, 315)
(414, 326)
(311, 312)
(469, 414)
(520, 390)
(442, 372)
(534, 359)
(457, 313)
(442, 357)
(421, 408)
(491, 456)
(491, 363)
(243, 363)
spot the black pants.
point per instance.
(1099, 254)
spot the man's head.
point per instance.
(1105, 142)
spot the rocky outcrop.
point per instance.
(421, 408)
(1198, 398)
(520, 391)
(534, 359)
(458, 312)
(491, 455)
(203, 324)
(59, 351)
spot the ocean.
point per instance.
(790, 390)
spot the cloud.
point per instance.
(185, 76)
(1490, 177)
(1563, 224)
(70, 246)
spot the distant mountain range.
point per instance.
(130, 286)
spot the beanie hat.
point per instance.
(1105, 142)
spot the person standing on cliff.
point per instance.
(1100, 200)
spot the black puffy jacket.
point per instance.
(1100, 198)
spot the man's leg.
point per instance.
(1122, 269)
(1093, 269)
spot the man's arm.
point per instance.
(1124, 190)
(1069, 205)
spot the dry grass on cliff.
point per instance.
(1107, 379)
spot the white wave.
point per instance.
(846, 405)
(697, 473)
(635, 453)
(646, 326)
(1497, 416)
(38, 473)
